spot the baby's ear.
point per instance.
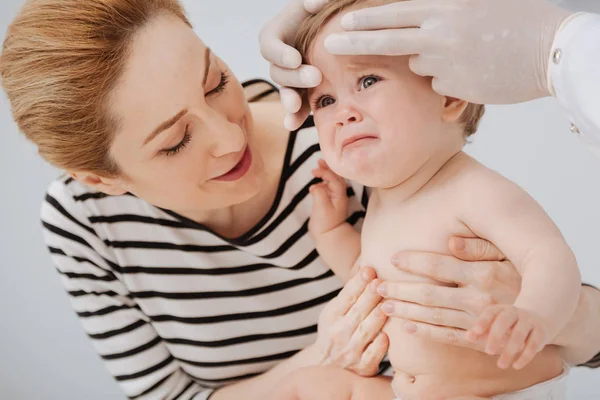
(453, 108)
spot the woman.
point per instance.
(181, 231)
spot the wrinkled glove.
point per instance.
(286, 68)
(482, 51)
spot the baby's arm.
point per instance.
(498, 210)
(337, 242)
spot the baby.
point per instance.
(383, 126)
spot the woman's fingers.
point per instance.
(440, 334)
(351, 292)
(474, 249)
(431, 265)
(434, 316)
(492, 277)
(366, 303)
(465, 299)
(373, 354)
(368, 329)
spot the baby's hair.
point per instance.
(312, 26)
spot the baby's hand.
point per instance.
(511, 330)
(330, 206)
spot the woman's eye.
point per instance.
(368, 81)
(179, 146)
(222, 84)
(325, 101)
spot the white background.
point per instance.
(43, 352)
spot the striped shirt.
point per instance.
(175, 309)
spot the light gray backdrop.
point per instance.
(44, 353)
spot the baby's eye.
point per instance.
(368, 81)
(325, 101)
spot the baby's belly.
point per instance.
(426, 370)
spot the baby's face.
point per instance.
(378, 122)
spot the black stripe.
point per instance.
(230, 293)
(250, 82)
(273, 357)
(58, 207)
(140, 349)
(289, 243)
(594, 362)
(112, 265)
(262, 95)
(365, 197)
(244, 339)
(355, 217)
(247, 315)
(312, 256)
(87, 196)
(167, 246)
(185, 389)
(80, 293)
(103, 311)
(225, 380)
(67, 235)
(74, 275)
(68, 181)
(308, 123)
(153, 387)
(117, 332)
(146, 371)
(195, 271)
(135, 218)
(315, 148)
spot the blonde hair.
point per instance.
(60, 61)
(312, 26)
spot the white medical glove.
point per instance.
(286, 63)
(482, 51)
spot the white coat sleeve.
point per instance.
(574, 71)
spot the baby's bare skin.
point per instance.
(426, 221)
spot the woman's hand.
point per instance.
(482, 276)
(350, 326)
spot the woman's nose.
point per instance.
(226, 137)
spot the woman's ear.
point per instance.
(110, 186)
(453, 108)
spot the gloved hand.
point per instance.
(482, 51)
(286, 68)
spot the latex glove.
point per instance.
(286, 63)
(482, 51)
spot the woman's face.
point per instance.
(184, 140)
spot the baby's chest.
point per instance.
(416, 227)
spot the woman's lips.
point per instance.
(357, 139)
(239, 169)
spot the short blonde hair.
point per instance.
(60, 61)
(312, 26)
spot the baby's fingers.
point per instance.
(320, 196)
(533, 346)
(484, 323)
(499, 329)
(515, 344)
